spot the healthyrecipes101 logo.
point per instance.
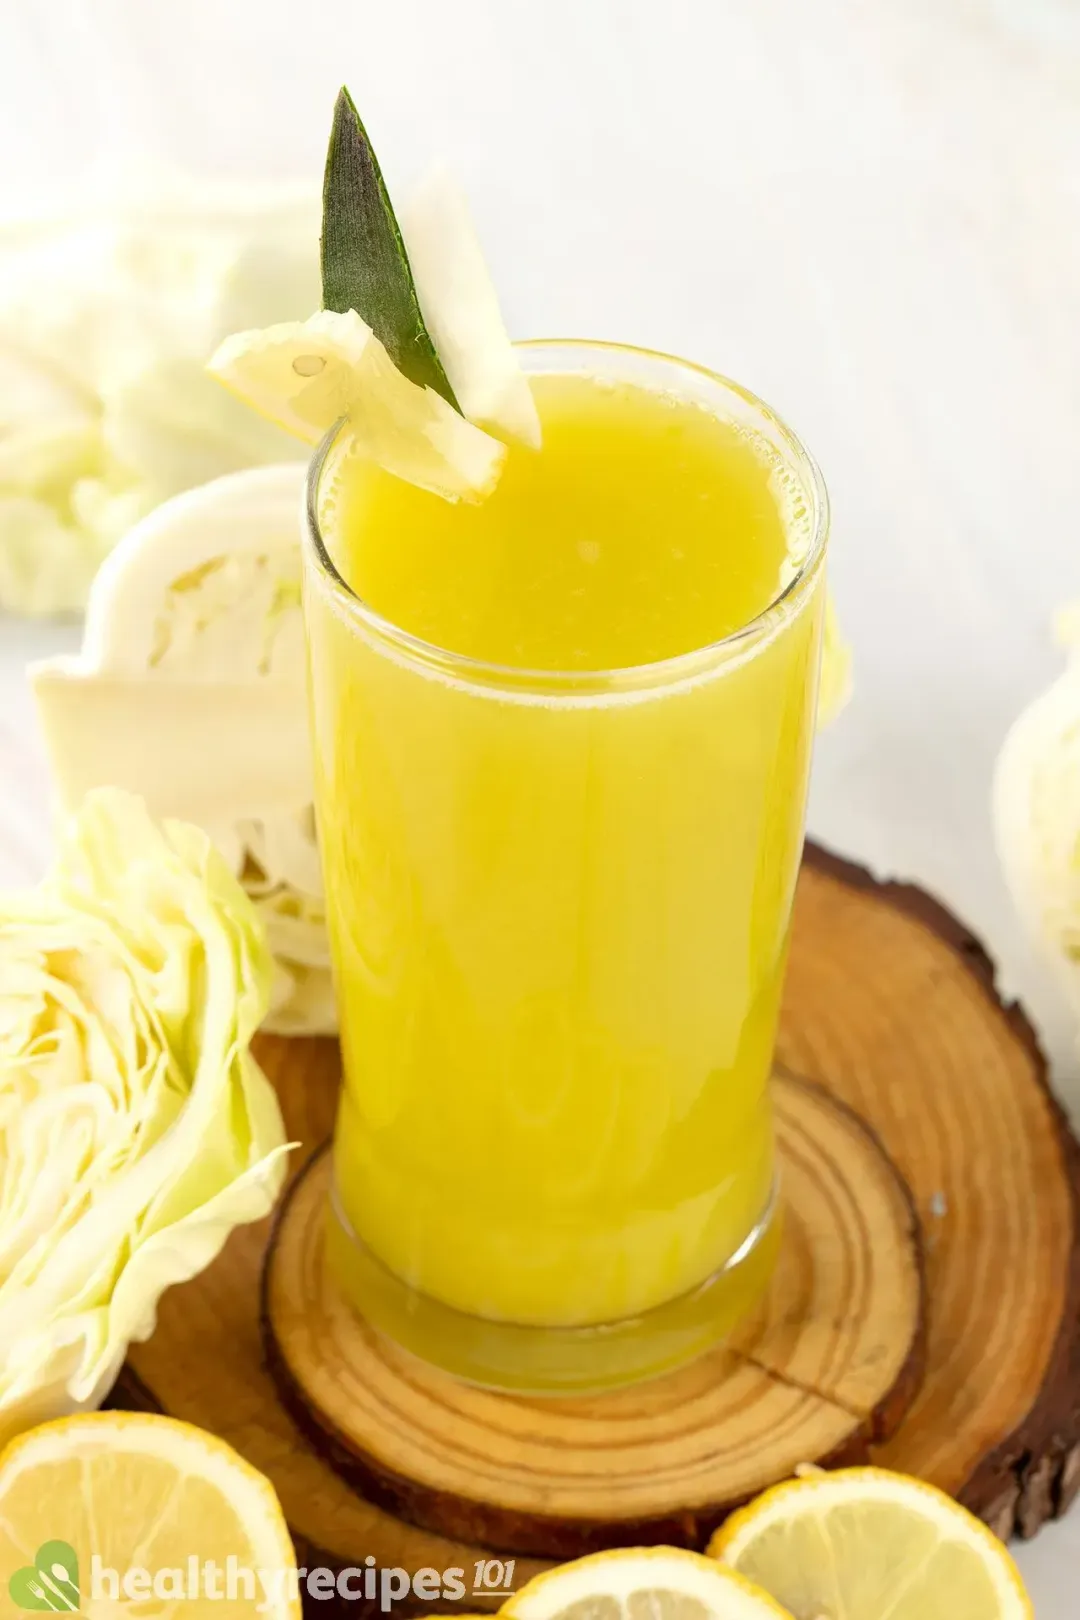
(51, 1582)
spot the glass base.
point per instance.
(527, 1360)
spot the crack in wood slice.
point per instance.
(831, 1361)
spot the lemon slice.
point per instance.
(307, 375)
(90, 1498)
(864, 1544)
(641, 1583)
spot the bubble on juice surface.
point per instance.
(788, 489)
(329, 494)
(331, 506)
(790, 495)
(786, 486)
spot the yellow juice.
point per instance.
(560, 829)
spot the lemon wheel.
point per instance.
(642, 1583)
(862, 1543)
(90, 1503)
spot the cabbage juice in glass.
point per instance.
(562, 746)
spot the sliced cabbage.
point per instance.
(107, 316)
(136, 1128)
(190, 690)
(1036, 811)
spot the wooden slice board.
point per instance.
(889, 1006)
(831, 1363)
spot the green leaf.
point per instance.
(364, 263)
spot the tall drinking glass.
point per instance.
(559, 907)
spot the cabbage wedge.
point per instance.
(136, 1128)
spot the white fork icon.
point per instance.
(50, 1579)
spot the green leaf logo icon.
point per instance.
(50, 1583)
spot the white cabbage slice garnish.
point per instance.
(190, 690)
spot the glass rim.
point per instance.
(487, 674)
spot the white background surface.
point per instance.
(867, 210)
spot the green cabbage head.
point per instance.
(136, 1128)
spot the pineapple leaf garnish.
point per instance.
(364, 263)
